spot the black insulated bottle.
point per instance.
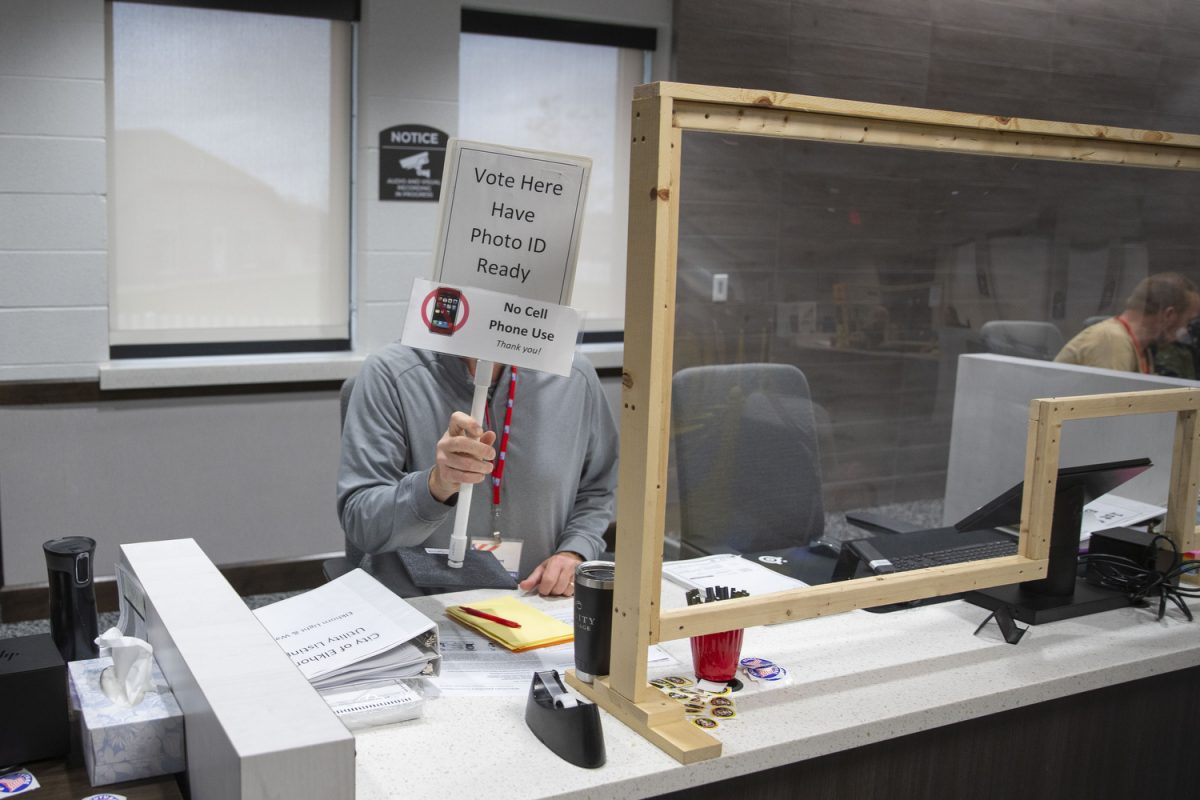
(73, 622)
(593, 618)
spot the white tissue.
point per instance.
(126, 681)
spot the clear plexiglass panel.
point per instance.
(848, 281)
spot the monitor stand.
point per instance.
(1061, 594)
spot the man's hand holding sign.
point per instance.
(464, 455)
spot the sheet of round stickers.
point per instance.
(703, 708)
(761, 669)
(707, 709)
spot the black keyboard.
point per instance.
(955, 555)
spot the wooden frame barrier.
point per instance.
(661, 112)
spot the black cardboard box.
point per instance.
(33, 700)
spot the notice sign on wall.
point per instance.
(411, 160)
(502, 328)
(511, 220)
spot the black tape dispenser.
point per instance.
(569, 727)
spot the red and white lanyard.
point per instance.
(1143, 359)
(498, 472)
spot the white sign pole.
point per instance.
(462, 512)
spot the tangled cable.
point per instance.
(1142, 583)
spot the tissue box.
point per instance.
(33, 696)
(126, 743)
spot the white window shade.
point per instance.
(568, 98)
(229, 177)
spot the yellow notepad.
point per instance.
(537, 629)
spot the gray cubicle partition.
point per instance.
(991, 418)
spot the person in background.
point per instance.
(548, 478)
(1156, 314)
(1180, 359)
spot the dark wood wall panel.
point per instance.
(925, 246)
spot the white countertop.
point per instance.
(856, 678)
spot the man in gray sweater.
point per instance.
(408, 444)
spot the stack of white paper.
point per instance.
(351, 630)
(1114, 511)
(375, 703)
(727, 569)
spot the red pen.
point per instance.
(474, 612)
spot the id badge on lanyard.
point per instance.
(507, 550)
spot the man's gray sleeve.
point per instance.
(594, 501)
(382, 507)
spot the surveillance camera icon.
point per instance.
(416, 164)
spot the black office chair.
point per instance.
(340, 565)
(1022, 338)
(747, 459)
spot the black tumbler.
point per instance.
(593, 618)
(73, 622)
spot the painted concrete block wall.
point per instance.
(53, 231)
(53, 185)
(408, 74)
(248, 478)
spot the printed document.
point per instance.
(1114, 511)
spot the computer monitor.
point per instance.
(1096, 480)
(1061, 594)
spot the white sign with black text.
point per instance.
(511, 220)
(502, 328)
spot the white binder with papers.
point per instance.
(351, 630)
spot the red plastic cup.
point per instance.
(715, 655)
